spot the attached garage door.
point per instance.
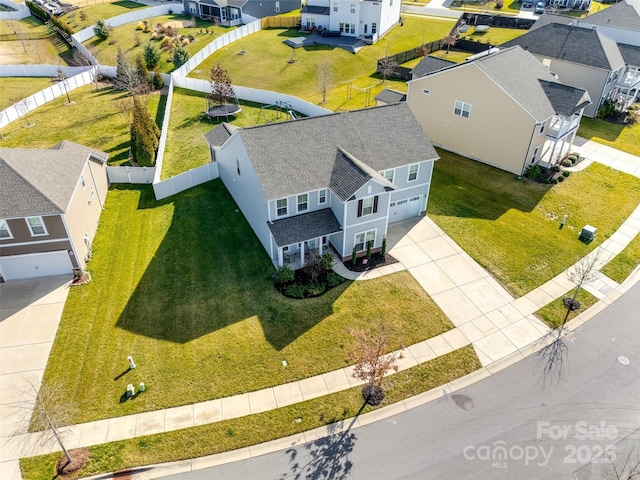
(35, 265)
(403, 209)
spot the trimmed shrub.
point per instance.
(533, 171)
(294, 290)
(554, 181)
(327, 261)
(369, 250)
(384, 246)
(567, 163)
(566, 174)
(354, 257)
(561, 179)
(333, 279)
(284, 275)
(315, 288)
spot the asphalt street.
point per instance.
(576, 418)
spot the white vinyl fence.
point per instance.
(162, 143)
(131, 174)
(186, 180)
(19, 12)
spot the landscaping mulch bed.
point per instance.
(79, 458)
(377, 260)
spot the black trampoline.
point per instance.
(226, 110)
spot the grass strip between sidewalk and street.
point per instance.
(625, 262)
(553, 313)
(258, 428)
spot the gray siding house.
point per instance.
(50, 205)
(334, 181)
(231, 12)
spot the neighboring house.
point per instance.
(430, 64)
(50, 204)
(627, 89)
(571, 4)
(620, 22)
(581, 57)
(504, 109)
(335, 180)
(388, 96)
(354, 18)
(230, 12)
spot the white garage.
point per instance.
(404, 209)
(35, 265)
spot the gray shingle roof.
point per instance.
(565, 100)
(391, 96)
(41, 181)
(624, 14)
(630, 54)
(218, 135)
(299, 155)
(547, 18)
(572, 44)
(303, 227)
(315, 9)
(429, 65)
(349, 174)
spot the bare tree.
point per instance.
(386, 66)
(22, 107)
(221, 87)
(323, 75)
(585, 271)
(451, 39)
(62, 77)
(84, 18)
(45, 410)
(372, 362)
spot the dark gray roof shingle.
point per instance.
(547, 18)
(218, 135)
(299, 156)
(565, 100)
(41, 181)
(624, 14)
(429, 65)
(391, 96)
(572, 44)
(630, 54)
(303, 227)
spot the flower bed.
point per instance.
(314, 279)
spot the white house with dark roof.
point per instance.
(352, 18)
(505, 109)
(581, 57)
(50, 204)
(620, 22)
(353, 174)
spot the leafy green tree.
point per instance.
(158, 81)
(151, 56)
(101, 30)
(145, 135)
(180, 57)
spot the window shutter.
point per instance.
(359, 208)
(375, 204)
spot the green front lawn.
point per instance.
(186, 147)
(553, 314)
(262, 427)
(265, 64)
(132, 41)
(614, 135)
(14, 88)
(94, 120)
(184, 286)
(511, 226)
(625, 262)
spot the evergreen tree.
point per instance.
(101, 30)
(151, 56)
(145, 135)
(158, 81)
(144, 79)
(180, 57)
(122, 71)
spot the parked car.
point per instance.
(540, 6)
(527, 4)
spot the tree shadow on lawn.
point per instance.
(209, 272)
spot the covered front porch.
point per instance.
(560, 137)
(302, 238)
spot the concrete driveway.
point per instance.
(30, 312)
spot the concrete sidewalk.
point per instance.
(498, 326)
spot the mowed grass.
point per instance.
(265, 65)
(94, 120)
(511, 226)
(186, 147)
(16, 88)
(553, 314)
(132, 41)
(28, 42)
(253, 429)
(625, 262)
(494, 36)
(100, 11)
(184, 286)
(622, 137)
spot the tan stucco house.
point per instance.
(504, 109)
(50, 205)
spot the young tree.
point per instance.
(323, 75)
(221, 87)
(127, 77)
(84, 18)
(142, 74)
(144, 135)
(586, 270)
(158, 81)
(372, 362)
(151, 56)
(22, 107)
(180, 57)
(101, 30)
(386, 66)
(451, 39)
(62, 77)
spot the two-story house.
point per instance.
(334, 181)
(504, 109)
(235, 12)
(582, 57)
(50, 204)
(354, 18)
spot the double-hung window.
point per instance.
(322, 196)
(363, 239)
(303, 202)
(462, 109)
(36, 226)
(353, 8)
(4, 230)
(335, 6)
(413, 172)
(388, 174)
(367, 206)
(544, 124)
(281, 206)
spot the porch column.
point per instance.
(280, 257)
(302, 254)
(319, 243)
